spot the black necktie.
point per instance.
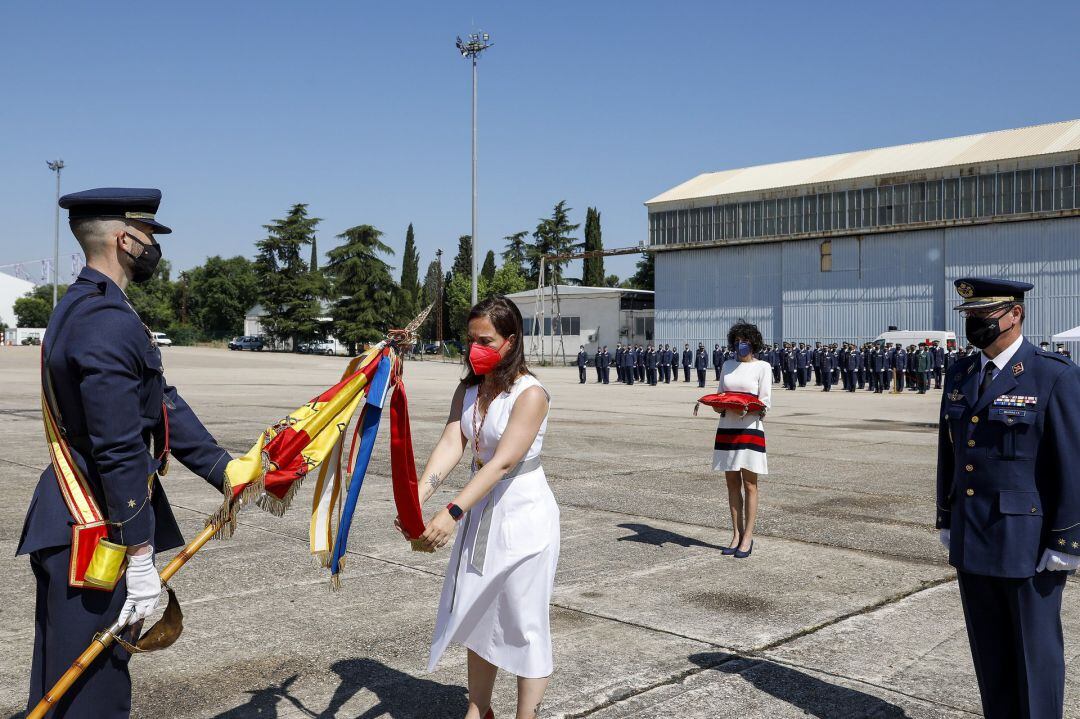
(988, 377)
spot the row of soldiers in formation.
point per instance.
(873, 366)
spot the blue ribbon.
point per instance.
(369, 428)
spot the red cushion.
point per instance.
(738, 401)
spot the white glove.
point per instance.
(943, 537)
(1058, 561)
(143, 588)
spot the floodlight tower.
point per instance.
(56, 166)
(471, 48)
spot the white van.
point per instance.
(916, 337)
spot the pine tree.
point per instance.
(288, 290)
(463, 259)
(487, 272)
(410, 277)
(517, 250)
(314, 264)
(593, 273)
(366, 289)
(644, 278)
(552, 237)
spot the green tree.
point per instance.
(431, 289)
(507, 280)
(593, 273)
(366, 290)
(458, 304)
(487, 272)
(611, 281)
(219, 294)
(643, 279)
(31, 311)
(517, 250)
(463, 259)
(288, 290)
(156, 299)
(411, 292)
(552, 237)
(313, 265)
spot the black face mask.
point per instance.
(982, 331)
(144, 265)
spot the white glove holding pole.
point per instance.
(943, 536)
(143, 588)
(1058, 562)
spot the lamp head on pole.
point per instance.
(476, 44)
(55, 165)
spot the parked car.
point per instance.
(160, 339)
(246, 343)
(431, 349)
(319, 347)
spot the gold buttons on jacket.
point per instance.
(971, 493)
(975, 420)
(971, 443)
(1034, 510)
(969, 467)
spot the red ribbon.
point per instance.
(403, 464)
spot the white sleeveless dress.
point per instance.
(740, 441)
(502, 612)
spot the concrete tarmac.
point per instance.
(847, 607)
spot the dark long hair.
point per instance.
(506, 318)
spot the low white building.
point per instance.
(11, 289)
(590, 316)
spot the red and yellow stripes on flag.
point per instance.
(288, 451)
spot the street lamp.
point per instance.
(471, 48)
(56, 166)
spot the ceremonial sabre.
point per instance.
(399, 339)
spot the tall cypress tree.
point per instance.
(410, 276)
(463, 259)
(314, 264)
(593, 273)
(288, 290)
(487, 272)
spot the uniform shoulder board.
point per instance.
(1054, 356)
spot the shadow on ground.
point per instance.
(399, 696)
(815, 697)
(644, 534)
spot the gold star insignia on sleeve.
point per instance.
(1061, 542)
(131, 504)
(1076, 545)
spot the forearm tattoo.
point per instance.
(434, 480)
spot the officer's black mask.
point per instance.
(982, 331)
(143, 266)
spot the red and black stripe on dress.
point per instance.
(730, 439)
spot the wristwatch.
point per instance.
(455, 511)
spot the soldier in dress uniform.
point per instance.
(717, 360)
(687, 361)
(582, 364)
(605, 365)
(111, 420)
(1008, 499)
(1063, 352)
(922, 367)
(877, 366)
(937, 354)
(802, 364)
(650, 365)
(618, 362)
(663, 363)
(900, 363)
(701, 364)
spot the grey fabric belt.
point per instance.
(483, 529)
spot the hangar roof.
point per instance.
(967, 150)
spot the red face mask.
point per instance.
(483, 359)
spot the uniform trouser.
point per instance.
(789, 379)
(922, 382)
(826, 380)
(716, 368)
(701, 377)
(618, 373)
(850, 381)
(665, 374)
(1014, 628)
(817, 376)
(775, 374)
(581, 375)
(802, 376)
(651, 374)
(607, 374)
(629, 374)
(860, 375)
(686, 373)
(65, 622)
(937, 378)
(599, 373)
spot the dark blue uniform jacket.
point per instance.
(1006, 480)
(110, 386)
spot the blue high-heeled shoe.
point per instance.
(728, 551)
(744, 555)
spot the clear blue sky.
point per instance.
(238, 109)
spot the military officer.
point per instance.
(687, 361)
(701, 364)
(116, 420)
(663, 363)
(629, 363)
(1008, 499)
(900, 363)
(597, 364)
(938, 363)
(1063, 352)
(582, 364)
(717, 360)
(650, 366)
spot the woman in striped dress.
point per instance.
(739, 451)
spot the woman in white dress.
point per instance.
(498, 585)
(739, 451)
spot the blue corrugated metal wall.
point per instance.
(902, 279)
